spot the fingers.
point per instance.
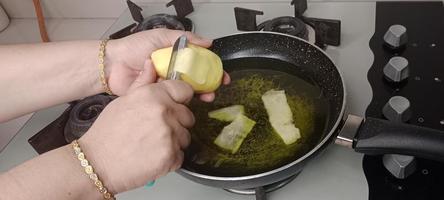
(193, 38)
(179, 91)
(149, 74)
(208, 97)
(197, 40)
(178, 161)
(184, 116)
(226, 79)
(182, 135)
(146, 76)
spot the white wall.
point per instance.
(65, 8)
(94, 8)
(81, 8)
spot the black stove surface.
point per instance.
(426, 183)
(424, 89)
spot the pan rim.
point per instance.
(305, 156)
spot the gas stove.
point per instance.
(406, 82)
(177, 21)
(321, 32)
(344, 30)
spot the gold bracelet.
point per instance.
(90, 171)
(102, 66)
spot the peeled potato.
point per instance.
(280, 115)
(233, 135)
(199, 67)
(227, 114)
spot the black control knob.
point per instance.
(397, 69)
(400, 166)
(397, 109)
(396, 36)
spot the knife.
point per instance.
(181, 43)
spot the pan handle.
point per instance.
(378, 136)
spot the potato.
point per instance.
(227, 114)
(233, 135)
(280, 115)
(199, 67)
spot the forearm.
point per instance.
(36, 76)
(53, 175)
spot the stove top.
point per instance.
(335, 171)
(407, 70)
(321, 32)
(165, 21)
(295, 25)
(336, 174)
(176, 21)
(288, 25)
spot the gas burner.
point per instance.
(321, 32)
(83, 115)
(175, 22)
(165, 21)
(71, 125)
(260, 192)
(288, 25)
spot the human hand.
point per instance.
(129, 58)
(140, 136)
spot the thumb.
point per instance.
(172, 36)
(195, 39)
(146, 76)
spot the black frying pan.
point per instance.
(259, 51)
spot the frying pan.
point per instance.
(370, 136)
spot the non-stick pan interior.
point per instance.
(258, 62)
(308, 61)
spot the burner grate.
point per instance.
(160, 21)
(175, 22)
(260, 193)
(326, 31)
(288, 25)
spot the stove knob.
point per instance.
(400, 166)
(397, 69)
(397, 109)
(396, 36)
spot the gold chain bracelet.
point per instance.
(90, 171)
(102, 67)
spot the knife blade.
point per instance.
(181, 43)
